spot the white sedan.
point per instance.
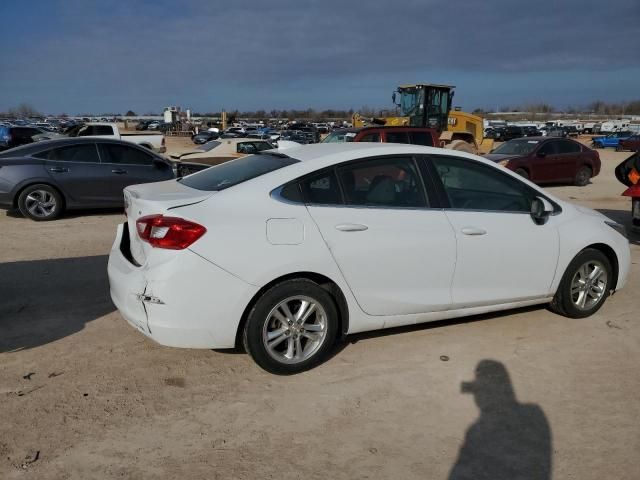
(284, 251)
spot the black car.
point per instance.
(309, 131)
(15, 136)
(494, 132)
(45, 178)
(531, 132)
(512, 131)
(204, 137)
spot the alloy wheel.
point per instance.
(589, 285)
(295, 329)
(40, 203)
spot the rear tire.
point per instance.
(41, 202)
(579, 295)
(292, 327)
(583, 176)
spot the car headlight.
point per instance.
(504, 163)
(617, 227)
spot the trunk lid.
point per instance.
(155, 198)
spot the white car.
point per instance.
(284, 251)
(223, 150)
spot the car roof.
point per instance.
(28, 149)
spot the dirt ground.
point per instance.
(83, 395)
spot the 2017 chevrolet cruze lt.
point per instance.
(285, 252)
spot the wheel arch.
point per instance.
(22, 188)
(613, 258)
(322, 280)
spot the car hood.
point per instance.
(498, 157)
(179, 155)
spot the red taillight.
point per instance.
(173, 233)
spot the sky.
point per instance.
(86, 56)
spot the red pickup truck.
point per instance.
(385, 134)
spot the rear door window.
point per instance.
(123, 154)
(396, 137)
(237, 171)
(371, 138)
(95, 130)
(421, 138)
(86, 153)
(321, 189)
(383, 182)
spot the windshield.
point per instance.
(237, 171)
(410, 99)
(339, 137)
(517, 147)
(205, 147)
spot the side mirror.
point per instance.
(541, 154)
(393, 98)
(540, 210)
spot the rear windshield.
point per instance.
(517, 147)
(236, 171)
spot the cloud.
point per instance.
(149, 52)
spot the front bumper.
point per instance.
(178, 299)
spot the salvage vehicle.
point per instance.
(152, 141)
(611, 140)
(284, 251)
(204, 137)
(548, 160)
(44, 179)
(385, 134)
(632, 143)
(628, 173)
(223, 150)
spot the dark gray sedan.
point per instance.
(44, 179)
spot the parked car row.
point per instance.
(14, 136)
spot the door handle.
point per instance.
(473, 231)
(351, 227)
(118, 171)
(58, 170)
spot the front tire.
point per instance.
(292, 327)
(583, 176)
(40, 202)
(585, 285)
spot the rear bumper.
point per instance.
(179, 299)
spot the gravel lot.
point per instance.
(83, 395)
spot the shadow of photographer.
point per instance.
(509, 440)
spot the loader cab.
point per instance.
(426, 105)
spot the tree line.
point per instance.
(597, 107)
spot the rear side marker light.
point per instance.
(172, 233)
